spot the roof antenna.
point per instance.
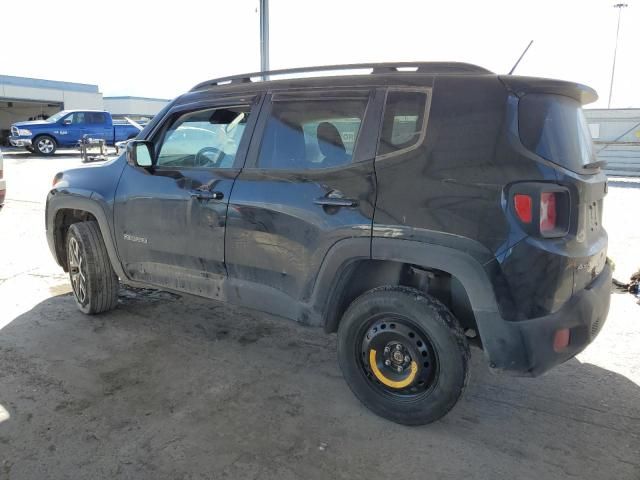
(523, 54)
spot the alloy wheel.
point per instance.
(45, 145)
(76, 266)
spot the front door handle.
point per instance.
(206, 195)
(335, 202)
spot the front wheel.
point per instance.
(94, 283)
(403, 354)
(45, 145)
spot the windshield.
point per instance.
(57, 116)
(554, 127)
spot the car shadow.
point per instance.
(172, 387)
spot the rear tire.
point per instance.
(45, 145)
(94, 283)
(403, 354)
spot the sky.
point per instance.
(161, 49)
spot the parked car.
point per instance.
(412, 212)
(3, 183)
(66, 128)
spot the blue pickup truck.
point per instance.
(67, 128)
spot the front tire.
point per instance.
(45, 145)
(94, 283)
(403, 354)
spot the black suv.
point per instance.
(415, 209)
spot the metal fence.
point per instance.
(616, 134)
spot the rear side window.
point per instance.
(403, 124)
(95, 117)
(554, 127)
(311, 134)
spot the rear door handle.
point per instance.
(206, 195)
(335, 202)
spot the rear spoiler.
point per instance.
(522, 85)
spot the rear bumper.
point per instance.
(20, 142)
(584, 315)
(526, 346)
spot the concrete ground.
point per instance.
(177, 388)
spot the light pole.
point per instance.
(619, 6)
(264, 36)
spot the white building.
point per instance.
(30, 98)
(134, 107)
(616, 134)
(24, 98)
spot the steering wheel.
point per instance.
(208, 157)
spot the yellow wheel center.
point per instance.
(413, 369)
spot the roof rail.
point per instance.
(420, 67)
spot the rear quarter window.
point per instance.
(404, 121)
(554, 127)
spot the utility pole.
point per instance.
(264, 36)
(619, 6)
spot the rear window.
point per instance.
(554, 127)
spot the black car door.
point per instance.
(170, 219)
(308, 183)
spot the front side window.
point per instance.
(311, 134)
(403, 123)
(206, 138)
(75, 118)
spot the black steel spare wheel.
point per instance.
(403, 354)
(397, 356)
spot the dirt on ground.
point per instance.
(173, 387)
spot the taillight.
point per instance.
(542, 208)
(523, 205)
(548, 213)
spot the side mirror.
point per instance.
(67, 121)
(140, 153)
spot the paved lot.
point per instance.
(170, 387)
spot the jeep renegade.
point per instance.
(414, 209)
